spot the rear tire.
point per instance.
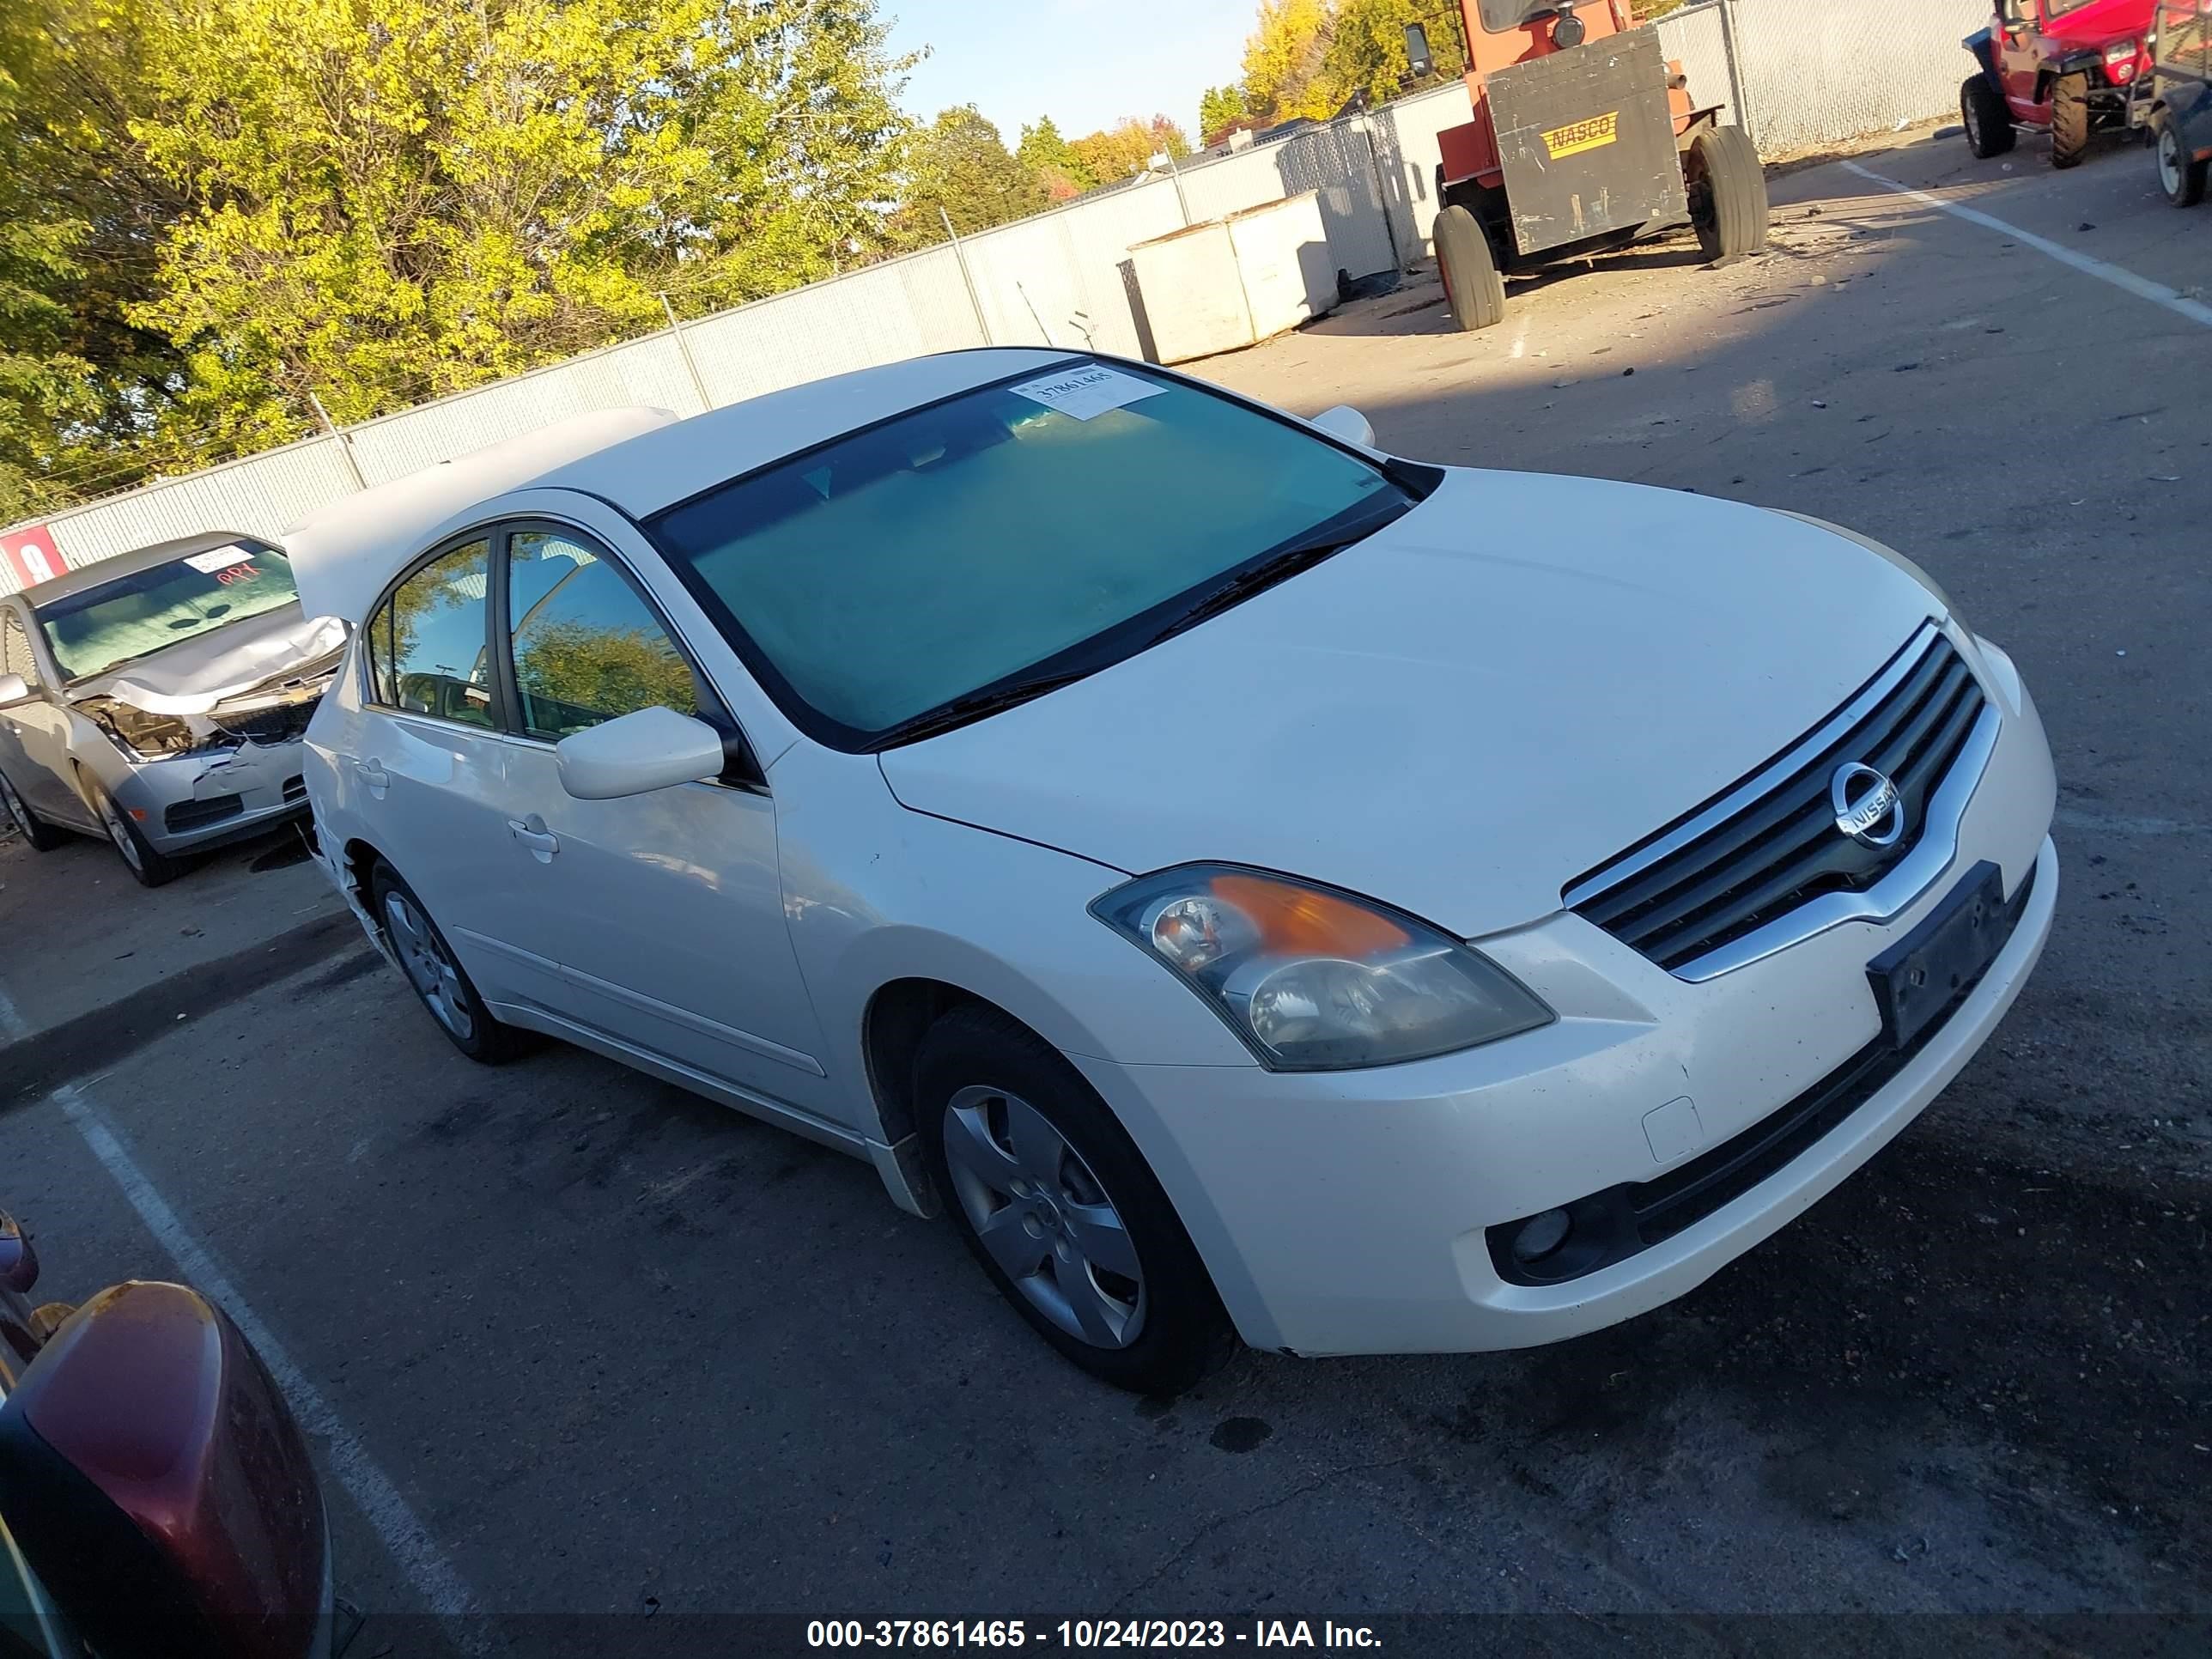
(2069, 121)
(1468, 270)
(1728, 192)
(147, 867)
(42, 835)
(1082, 1240)
(2181, 177)
(440, 984)
(1990, 131)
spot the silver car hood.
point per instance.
(193, 676)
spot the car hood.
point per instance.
(195, 674)
(1520, 678)
(2101, 22)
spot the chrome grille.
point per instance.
(1764, 847)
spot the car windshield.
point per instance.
(1040, 528)
(137, 615)
(1503, 16)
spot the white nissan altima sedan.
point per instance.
(1242, 877)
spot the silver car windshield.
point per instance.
(137, 615)
(1041, 526)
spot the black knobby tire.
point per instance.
(1181, 1330)
(43, 837)
(148, 867)
(1468, 270)
(484, 1039)
(2069, 121)
(1728, 192)
(2180, 176)
(1981, 106)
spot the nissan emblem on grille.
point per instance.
(1863, 798)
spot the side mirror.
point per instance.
(12, 689)
(158, 1487)
(1419, 59)
(637, 754)
(1348, 424)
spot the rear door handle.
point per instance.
(373, 775)
(531, 833)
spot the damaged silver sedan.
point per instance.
(156, 700)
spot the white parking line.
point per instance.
(2119, 276)
(443, 1591)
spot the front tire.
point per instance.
(42, 836)
(2179, 174)
(2069, 121)
(1727, 185)
(1468, 270)
(1060, 1207)
(148, 867)
(440, 984)
(1988, 117)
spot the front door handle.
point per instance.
(373, 777)
(531, 833)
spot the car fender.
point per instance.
(1982, 43)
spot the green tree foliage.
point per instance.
(80, 216)
(1127, 148)
(1282, 59)
(1054, 160)
(389, 199)
(958, 166)
(1220, 112)
(1367, 47)
(573, 672)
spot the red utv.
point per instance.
(2068, 65)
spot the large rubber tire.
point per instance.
(148, 867)
(417, 942)
(1990, 131)
(1469, 270)
(2069, 121)
(2182, 177)
(1728, 192)
(974, 1068)
(44, 837)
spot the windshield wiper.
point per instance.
(977, 704)
(1280, 567)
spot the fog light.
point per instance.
(1541, 1235)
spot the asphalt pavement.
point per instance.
(575, 1343)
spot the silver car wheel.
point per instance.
(119, 832)
(434, 975)
(1044, 1218)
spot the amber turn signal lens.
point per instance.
(1299, 921)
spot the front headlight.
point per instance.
(148, 736)
(1314, 980)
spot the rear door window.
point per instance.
(429, 643)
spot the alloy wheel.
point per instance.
(119, 832)
(429, 968)
(1044, 1216)
(2170, 164)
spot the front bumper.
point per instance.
(200, 800)
(1349, 1212)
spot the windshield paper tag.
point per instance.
(1083, 393)
(221, 559)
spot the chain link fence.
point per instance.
(1797, 74)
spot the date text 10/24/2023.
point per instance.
(1088, 1633)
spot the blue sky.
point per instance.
(1085, 63)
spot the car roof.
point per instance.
(129, 564)
(638, 460)
(660, 469)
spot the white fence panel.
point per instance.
(1810, 78)
(260, 495)
(1696, 37)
